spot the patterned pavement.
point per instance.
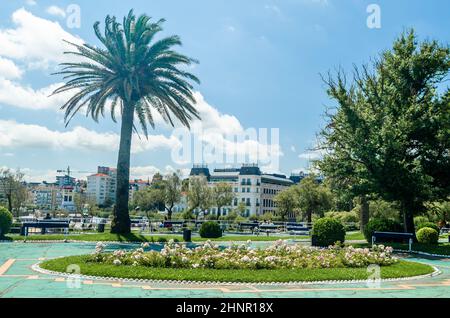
(18, 279)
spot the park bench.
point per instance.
(297, 228)
(248, 226)
(173, 224)
(44, 225)
(408, 237)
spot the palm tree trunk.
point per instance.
(121, 223)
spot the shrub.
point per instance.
(381, 225)
(210, 229)
(328, 231)
(6, 220)
(430, 225)
(428, 235)
(418, 220)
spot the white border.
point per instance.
(39, 269)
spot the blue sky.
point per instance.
(260, 62)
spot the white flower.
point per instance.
(117, 262)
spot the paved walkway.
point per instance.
(17, 279)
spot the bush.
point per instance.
(381, 225)
(6, 220)
(428, 235)
(328, 231)
(430, 225)
(210, 229)
(418, 220)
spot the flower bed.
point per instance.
(278, 256)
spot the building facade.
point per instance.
(101, 186)
(252, 188)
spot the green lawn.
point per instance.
(134, 237)
(401, 269)
(354, 236)
(441, 249)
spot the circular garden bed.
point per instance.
(241, 264)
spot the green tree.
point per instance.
(222, 195)
(313, 198)
(199, 194)
(138, 75)
(13, 189)
(286, 202)
(149, 199)
(392, 125)
(172, 192)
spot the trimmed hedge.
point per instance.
(428, 235)
(381, 225)
(428, 224)
(328, 231)
(210, 229)
(6, 220)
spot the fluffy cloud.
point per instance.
(16, 135)
(36, 41)
(14, 94)
(56, 11)
(8, 69)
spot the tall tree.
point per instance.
(172, 192)
(199, 195)
(392, 123)
(222, 195)
(12, 188)
(286, 202)
(313, 198)
(138, 75)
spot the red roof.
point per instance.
(99, 175)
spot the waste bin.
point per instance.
(101, 227)
(187, 234)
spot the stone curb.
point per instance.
(38, 269)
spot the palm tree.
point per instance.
(137, 74)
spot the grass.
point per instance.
(441, 248)
(354, 236)
(135, 237)
(398, 270)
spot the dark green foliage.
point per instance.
(328, 231)
(428, 235)
(210, 229)
(6, 220)
(381, 225)
(430, 225)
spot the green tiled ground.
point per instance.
(21, 281)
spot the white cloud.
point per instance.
(36, 41)
(312, 155)
(293, 148)
(56, 11)
(14, 94)
(16, 135)
(31, 2)
(8, 69)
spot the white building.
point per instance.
(250, 186)
(102, 186)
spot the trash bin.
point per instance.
(187, 234)
(314, 240)
(101, 227)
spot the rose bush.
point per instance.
(278, 256)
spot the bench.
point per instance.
(43, 225)
(409, 237)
